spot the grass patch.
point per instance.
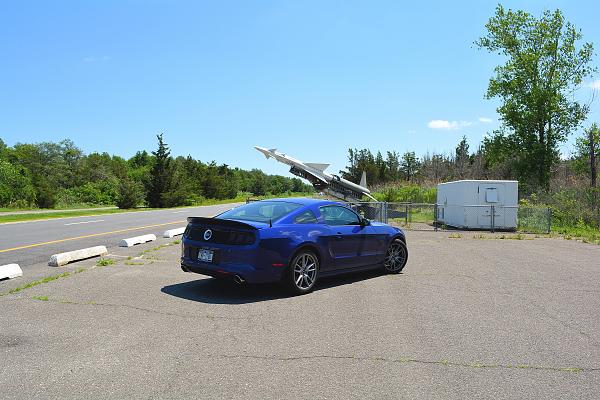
(63, 214)
(156, 248)
(133, 263)
(518, 236)
(584, 233)
(41, 298)
(71, 207)
(103, 262)
(42, 281)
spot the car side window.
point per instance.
(337, 215)
(307, 217)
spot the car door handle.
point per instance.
(339, 235)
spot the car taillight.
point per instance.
(241, 238)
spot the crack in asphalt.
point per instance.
(148, 310)
(444, 274)
(570, 326)
(408, 360)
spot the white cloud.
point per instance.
(485, 120)
(442, 124)
(595, 84)
(448, 125)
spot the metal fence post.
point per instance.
(492, 216)
(549, 220)
(387, 208)
(405, 214)
(435, 217)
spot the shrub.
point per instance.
(130, 194)
(407, 194)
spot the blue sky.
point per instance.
(311, 78)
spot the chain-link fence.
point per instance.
(371, 210)
(488, 217)
(418, 216)
(534, 219)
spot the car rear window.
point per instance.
(307, 217)
(260, 211)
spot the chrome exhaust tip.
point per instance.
(238, 279)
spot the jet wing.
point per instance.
(317, 166)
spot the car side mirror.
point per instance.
(364, 222)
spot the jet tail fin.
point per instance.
(363, 179)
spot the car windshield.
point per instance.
(260, 211)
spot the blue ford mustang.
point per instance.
(294, 241)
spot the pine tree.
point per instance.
(160, 182)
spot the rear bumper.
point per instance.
(247, 272)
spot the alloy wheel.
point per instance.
(305, 271)
(396, 257)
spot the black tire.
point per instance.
(302, 272)
(396, 257)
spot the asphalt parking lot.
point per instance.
(469, 318)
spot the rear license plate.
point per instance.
(205, 255)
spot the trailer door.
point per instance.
(490, 194)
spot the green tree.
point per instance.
(382, 175)
(16, 189)
(588, 153)
(130, 194)
(3, 150)
(462, 157)
(160, 182)
(392, 165)
(409, 165)
(359, 161)
(543, 68)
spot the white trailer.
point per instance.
(468, 204)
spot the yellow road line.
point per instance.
(89, 236)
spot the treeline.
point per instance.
(578, 170)
(48, 175)
(409, 168)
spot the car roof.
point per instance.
(302, 201)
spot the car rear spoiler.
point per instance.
(220, 222)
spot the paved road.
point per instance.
(29, 243)
(468, 318)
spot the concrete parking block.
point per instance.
(58, 260)
(174, 232)
(137, 240)
(10, 271)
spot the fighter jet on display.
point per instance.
(321, 180)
